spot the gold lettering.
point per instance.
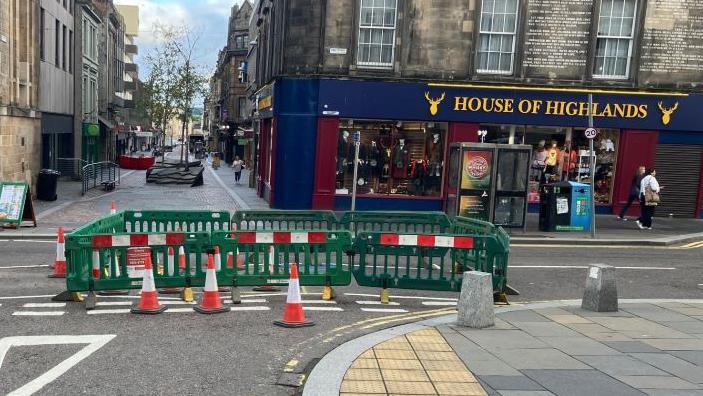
(607, 111)
(499, 105)
(572, 108)
(509, 105)
(643, 111)
(583, 109)
(552, 108)
(484, 104)
(619, 110)
(460, 101)
(474, 104)
(536, 105)
(631, 111)
(524, 106)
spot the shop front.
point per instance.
(306, 153)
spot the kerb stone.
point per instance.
(601, 294)
(475, 306)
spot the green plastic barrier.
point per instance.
(107, 224)
(466, 225)
(423, 261)
(265, 256)
(120, 258)
(284, 220)
(406, 222)
(171, 220)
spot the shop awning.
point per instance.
(106, 122)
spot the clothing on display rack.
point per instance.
(401, 160)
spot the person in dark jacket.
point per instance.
(634, 194)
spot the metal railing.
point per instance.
(97, 173)
(71, 167)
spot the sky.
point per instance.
(207, 17)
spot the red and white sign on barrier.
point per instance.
(137, 240)
(136, 261)
(282, 237)
(459, 242)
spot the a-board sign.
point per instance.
(16, 204)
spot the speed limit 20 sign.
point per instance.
(591, 133)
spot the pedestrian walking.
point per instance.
(649, 198)
(634, 192)
(237, 166)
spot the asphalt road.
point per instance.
(241, 352)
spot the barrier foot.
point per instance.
(68, 297)
(327, 293)
(385, 298)
(236, 295)
(187, 294)
(266, 288)
(500, 298)
(293, 325)
(90, 301)
(511, 291)
(113, 292)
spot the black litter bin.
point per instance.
(552, 199)
(47, 183)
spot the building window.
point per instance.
(616, 27)
(41, 33)
(64, 47)
(242, 107)
(377, 24)
(240, 42)
(496, 49)
(57, 46)
(70, 51)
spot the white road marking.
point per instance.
(112, 303)
(439, 303)
(94, 342)
(107, 311)
(248, 301)
(22, 297)
(137, 297)
(38, 313)
(254, 308)
(25, 266)
(367, 302)
(401, 297)
(386, 310)
(255, 294)
(178, 303)
(319, 302)
(337, 309)
(44, 305)
(179, 310)
(586, 267)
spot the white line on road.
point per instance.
(107, 311)
(31, 240)
(248, 301)
(401, 297)
(94, 342)
(439, 303)
(386, 310)
(319, 302)
(254, 308)
(586, 267)
(113, 303)
(178, 303)
(44, 305)
(38, 313)
(367, 302)
(25, 266)
(337, 309)
(21, 297)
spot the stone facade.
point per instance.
(555, 42)
(20, 140)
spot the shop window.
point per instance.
(616, 28)
(562, 154)
(377, 24)
(395, 158)
(498, 26)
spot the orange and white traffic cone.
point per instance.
(149, 299)
(181, 259)
(293, 315)
(170, 271)
(113, 208)
(211, 302)
(60, 261)
(230, 260)
(96, 264)
(241, 261)
(269, 288)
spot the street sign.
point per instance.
(591, 133)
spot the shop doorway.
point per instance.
(679, 172)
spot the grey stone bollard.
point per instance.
(475, 306)
(601, 294)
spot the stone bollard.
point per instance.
(475, 306)
(601, 294)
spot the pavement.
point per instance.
(649, 347)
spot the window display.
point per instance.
(395, 157)
(562, 154)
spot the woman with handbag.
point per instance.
(649, 198)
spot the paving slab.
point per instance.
(694, 357)
(510, 382)
(503, 339)
(580, 383)
(523, 316)
(691, 327)
(655, 313)
(676, 344)
(673, 365)
(620, 365)
(579, 346)
(672, 392)
(657, 382)
(631, 346)
(525, 393)
(547, 358)
(546, 329)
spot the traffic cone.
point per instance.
(113, 208)
(149, 299)
(269, 288)
(170, 271)
(293, 315)
(218, 266)
(181, 259)
(230, 260)
(96, 264)
(241, 261)
(60, 261)
(211, 302)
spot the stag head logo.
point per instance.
(666, 113)
(434, 102)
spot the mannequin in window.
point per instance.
(343, 149)
(401, 160)
(553, 154)
(434, 148)
(375, 159)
